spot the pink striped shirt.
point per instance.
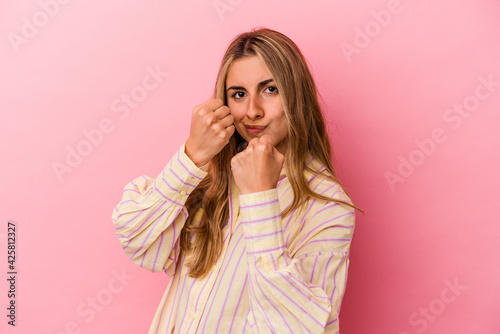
(273, 275)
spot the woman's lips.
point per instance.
(253, 130)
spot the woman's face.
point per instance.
(254, 101)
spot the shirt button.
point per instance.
(193, 315)
(183, 193)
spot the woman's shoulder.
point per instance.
(319, 219)
(323, 182)
(319, 180)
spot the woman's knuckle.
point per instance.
(209, 119)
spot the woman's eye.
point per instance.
(272, 89)
(238, 95)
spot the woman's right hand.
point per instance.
(211, 128)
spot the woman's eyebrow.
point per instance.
(260, 84)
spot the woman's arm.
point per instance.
(151, 214)
(299, 290)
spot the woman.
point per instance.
(248, 217)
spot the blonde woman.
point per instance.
(247, 218)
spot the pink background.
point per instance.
(388, 103)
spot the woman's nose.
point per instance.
(255, 110)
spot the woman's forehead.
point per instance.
(248, 70)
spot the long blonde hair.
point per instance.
(307, 135)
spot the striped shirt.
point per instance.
(273, 276)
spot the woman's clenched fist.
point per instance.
(211, 128)
(258, 167)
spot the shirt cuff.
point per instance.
(179, 178)
(261, 219)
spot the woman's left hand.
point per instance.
(258, 167)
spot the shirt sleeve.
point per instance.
(300, 293)
(151, 214)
